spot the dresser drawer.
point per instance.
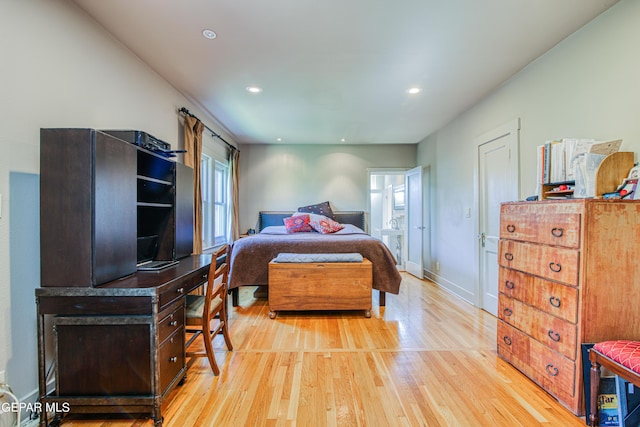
(550, 262)
(551, 331)
(199, 278)
(175, 290)
(513, 345)
(171, 319)
(549, 369)
(529, 223)
(171, 358)
(554, 298)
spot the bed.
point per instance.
(250, 256)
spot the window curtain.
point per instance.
(234, 157)
(193, 144)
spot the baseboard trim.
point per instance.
(450, 287)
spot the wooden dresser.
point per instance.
(568, 275)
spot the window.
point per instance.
(221, 203)
(215, 206)
(206, 183)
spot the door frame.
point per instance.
(419, 172)
(379, 171)
(512, 126)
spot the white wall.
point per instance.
(587, 86)
(58, 69)
(284, 177)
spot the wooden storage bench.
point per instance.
(320, 286)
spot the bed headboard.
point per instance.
(267, 218)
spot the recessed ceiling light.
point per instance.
(209, 34)
(413, 90)
(279, 139)
(254, 89)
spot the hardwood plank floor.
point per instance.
(426, 359)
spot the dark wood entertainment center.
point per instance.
(117, 333)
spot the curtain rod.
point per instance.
(213, 133)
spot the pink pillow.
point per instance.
(324, 225)
(298, 224)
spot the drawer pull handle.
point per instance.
(173, 323)
(508, 256)
(555, 267)
(552, 370)
(180, 290)
(511, 228)
(554, 301)
(507, 340)
(507, 311)
(509, 284)
(173, 359)
(554, 335)
(557, 231)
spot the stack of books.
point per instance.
(557, 159)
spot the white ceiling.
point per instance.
(337, 69)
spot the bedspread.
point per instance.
(250, 256)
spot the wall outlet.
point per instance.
(437, 265)
(3, 377)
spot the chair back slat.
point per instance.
(214, 308)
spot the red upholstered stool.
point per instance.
(620, 357)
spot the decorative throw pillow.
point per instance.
(324, 225)
(318, 209)
(298, 224)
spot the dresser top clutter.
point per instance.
(584, 168)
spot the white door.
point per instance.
(498, 172)
(415, 229)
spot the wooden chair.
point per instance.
(622, 358)
(203, 310)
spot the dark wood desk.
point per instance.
(118, 347)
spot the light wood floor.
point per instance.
(426, 359)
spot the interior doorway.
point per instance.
(498, 181)
(387, 210)
(415, 228)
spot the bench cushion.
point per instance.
(313, 258)
(626, 353)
